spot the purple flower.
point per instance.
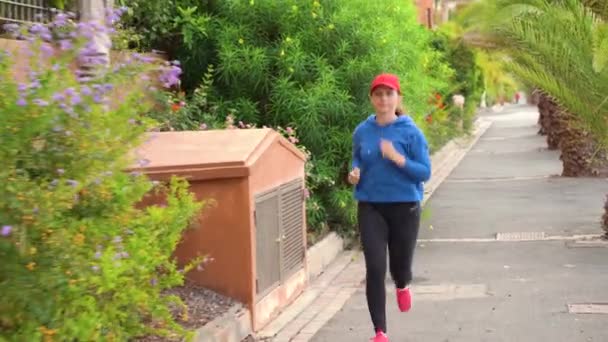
(65, 44)
(153, 281)
(12, 28)
(97, 98)
(41, 103)
(72, 182)
(61, 19)
(6, 230)
(95, 268)
(46, 36)
(47, 50)
(143, 162)
(76, 100)
(21, 102)
(22, 87)
(117, 239)
(86, 91)
(54, 182)
(59, 97)
(56, 67)
(37, 28)
(170, 76)
(70, 92)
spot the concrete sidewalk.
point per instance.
(470, 286)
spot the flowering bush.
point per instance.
(80, 260)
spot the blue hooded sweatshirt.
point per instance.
(381, 180)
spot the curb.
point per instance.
(232, 326)
(322, 254)
(329, 293)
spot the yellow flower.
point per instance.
(241, 41)
(78, 239)
(31, 266)
(46, 331)
(33, 250)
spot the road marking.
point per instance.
(545, 238)
(520, 236)
(496, 179)
(442, 292)
(588, 308)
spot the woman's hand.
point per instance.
(354, 175)
(389, 152)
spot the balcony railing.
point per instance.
(25, 11)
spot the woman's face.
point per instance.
(385, 100)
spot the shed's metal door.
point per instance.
(268, 251)
(291, 216)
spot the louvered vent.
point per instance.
(292, 227)
(267, 244)
(280, 243)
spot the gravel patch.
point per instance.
(203, 305)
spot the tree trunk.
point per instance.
(549, 113)
(581, 155)
(605, 218)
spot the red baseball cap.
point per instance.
(387, 80)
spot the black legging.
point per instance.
(387, 224)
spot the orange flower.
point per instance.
(175, 107)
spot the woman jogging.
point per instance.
(390, 163)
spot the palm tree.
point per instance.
(552, 45)
(560, 47)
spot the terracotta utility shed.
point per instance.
(255, 229)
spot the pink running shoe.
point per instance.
(404, 299)
(380, 337)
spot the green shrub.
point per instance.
(81, 261)
(301, 64)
